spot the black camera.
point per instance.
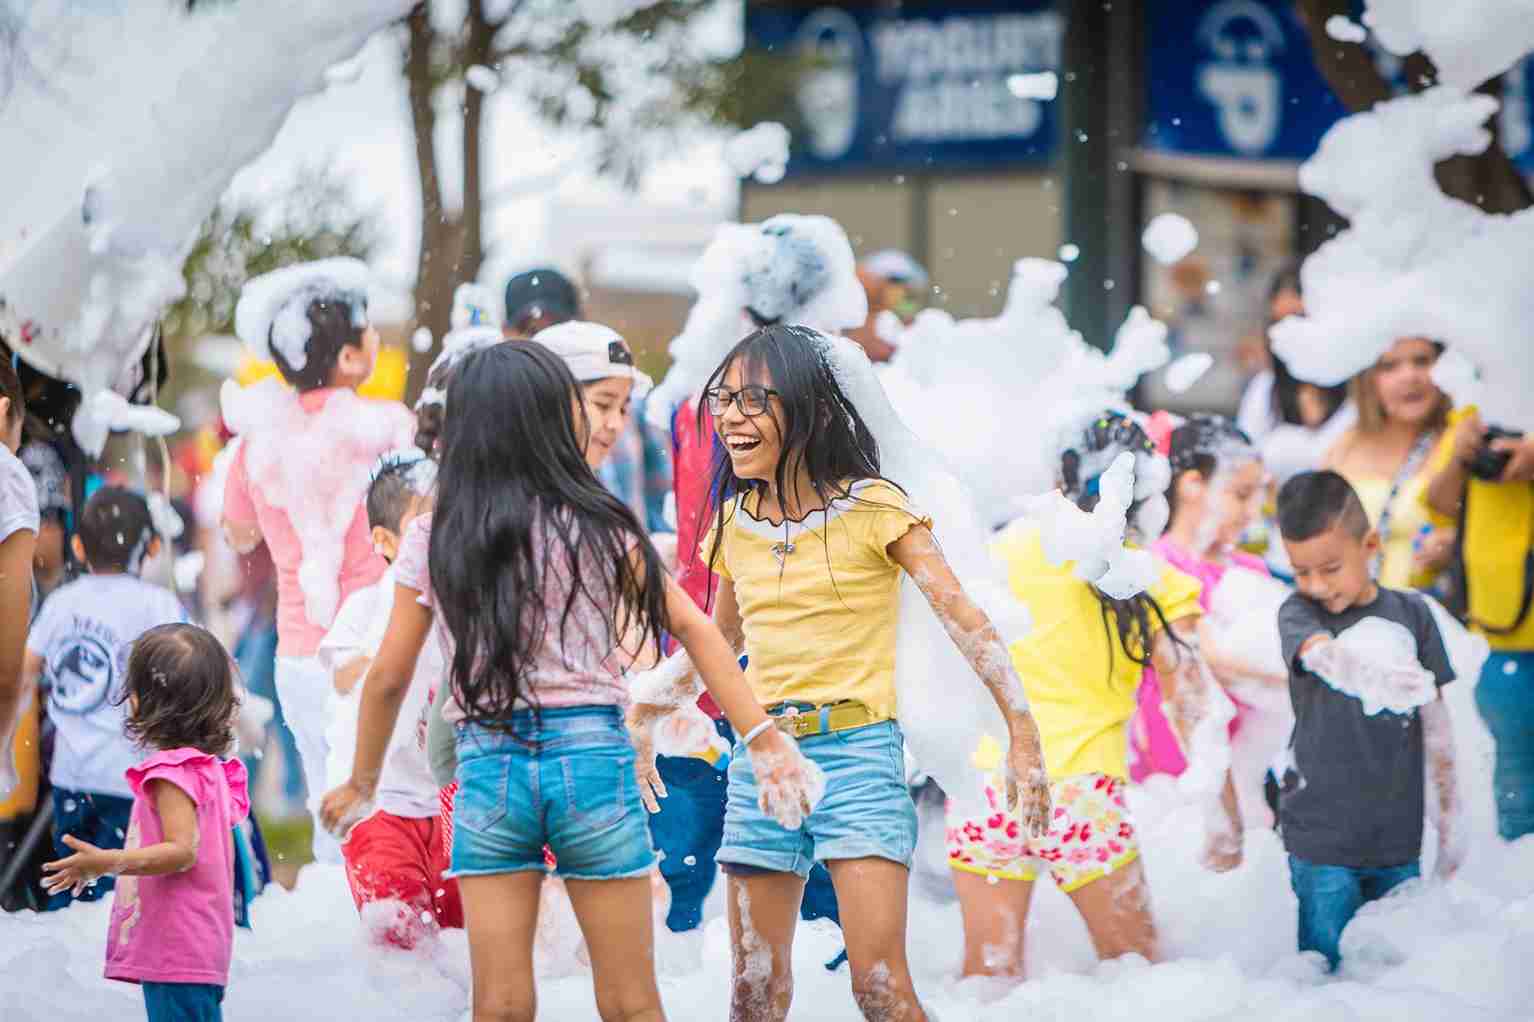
(1489, 464)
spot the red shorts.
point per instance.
(395, 858)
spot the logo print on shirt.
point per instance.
(81, 673)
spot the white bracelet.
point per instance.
(756, 732)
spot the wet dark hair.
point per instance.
(516, 502)
(116, 529)
(1313, 502)
(1129, 620)
(180, 691)
(1286, 386)
(10, 387)
(390, 494)
(335, 322)
(1195, 445)
(429, 415)
(823, 434)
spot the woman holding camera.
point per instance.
(1486, 478)
(1386, 455)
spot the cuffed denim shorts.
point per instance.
(867, 812)
(566, 781)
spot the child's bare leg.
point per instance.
(872, 894)
(615, 918)
(764, 910)
(501, 914)
(1117, 913)
(995, 916)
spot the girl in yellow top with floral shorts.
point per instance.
(810, 543)
(1083, 659)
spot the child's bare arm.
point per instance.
(176, 852)
(1438, 744)
(383, 690)
(976, 638)
(351, 672)
(15, 607)
(242, 536)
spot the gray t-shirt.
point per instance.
(1354, 794)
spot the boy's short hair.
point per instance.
(116, 529)
(336, 321)
(397, 480)
(1313, 502)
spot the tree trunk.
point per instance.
(1488, 180)
(476, 51)
(441, 237)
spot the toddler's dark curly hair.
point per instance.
(180, 691)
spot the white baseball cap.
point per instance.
(593, 352)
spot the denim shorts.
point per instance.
(867, 812)
(566, 781)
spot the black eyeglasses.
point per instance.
(750, 399)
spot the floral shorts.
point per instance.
(1090, 835)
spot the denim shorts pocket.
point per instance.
(598, 783)
(484, 784)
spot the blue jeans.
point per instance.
(1330, 896)
(566, 780)
(256, 653)
(688, 830)
(866, 812)
(183, 1002)
(1505, 697)
(101, 820)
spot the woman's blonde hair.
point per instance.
(1371, 411)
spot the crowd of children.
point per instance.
(474, 616)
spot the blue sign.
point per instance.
(1237, 78)
(1234, 78)
(915, 85)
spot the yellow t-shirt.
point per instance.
(1081, 701)
(1499, 532)
(820, 618)
(1408, 514)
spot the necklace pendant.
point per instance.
(781, 551)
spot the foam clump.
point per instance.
(1345, 30)
(1169, 238)
(794, 268)
(1414, 262)
(1094, 540)
(1374, 661)
(1469, 41)
(272, 314)
(759, 152)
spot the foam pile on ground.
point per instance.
(1430, 953)
(1413, 261)
(91, 252)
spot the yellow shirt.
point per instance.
(1499, 532)
(1408, 514)
(820, 618)
(1082, 697)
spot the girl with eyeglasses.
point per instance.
(811, 544)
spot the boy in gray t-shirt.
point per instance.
(1365, 666)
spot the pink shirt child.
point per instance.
(179, 928)
(1153, 746)
(576, 665)
(244, 502)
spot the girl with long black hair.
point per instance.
(540, 577)
(1083, 659)
(811, 543)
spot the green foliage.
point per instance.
(316, 220)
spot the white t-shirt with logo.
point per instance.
(406, 787)
(84, 634)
